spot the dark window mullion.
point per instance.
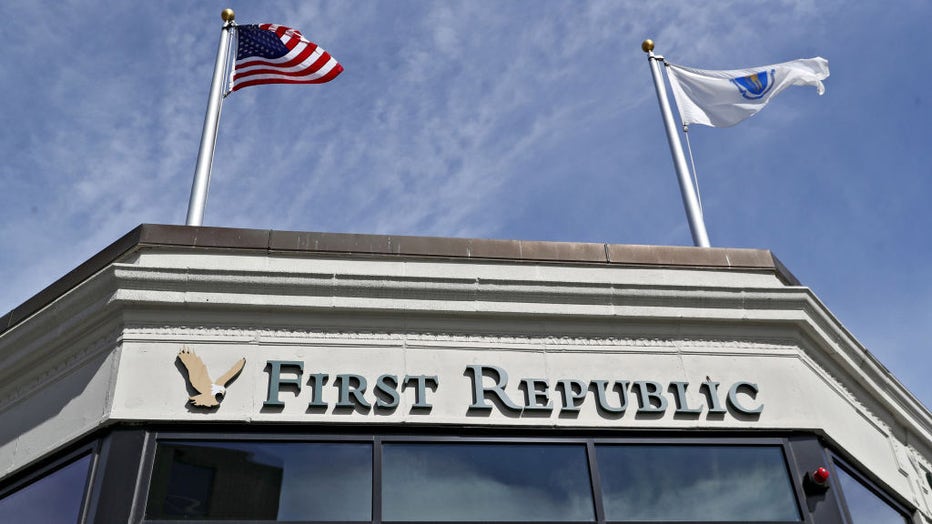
(795, 475)
(89, 482)
(595, 482)
(146, 463)
(377, 481)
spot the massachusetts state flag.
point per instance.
(724, 98)
(275, 54)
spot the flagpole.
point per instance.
(205, 155)
(690, 201)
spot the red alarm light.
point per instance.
(816, 482)
(820, 476)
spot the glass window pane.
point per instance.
(277, 481)
(864, 505)
(696, 483)
(53, 498)
(504, 482)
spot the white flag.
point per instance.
(724, 98)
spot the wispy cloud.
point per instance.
(519, 119)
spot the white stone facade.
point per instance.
(105, 351)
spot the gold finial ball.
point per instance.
(228, 15)
(647, 45)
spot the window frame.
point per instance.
(590, 440)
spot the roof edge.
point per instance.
(273, 241)
(71, 279)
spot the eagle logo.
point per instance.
(197, 375)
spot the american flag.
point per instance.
(275, 54)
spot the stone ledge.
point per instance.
(263, 240)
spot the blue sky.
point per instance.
(519, 120)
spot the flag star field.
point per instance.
(258, 42)
(515, 120)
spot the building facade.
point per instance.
(208, 374)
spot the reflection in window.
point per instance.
(864, 505)
(695, 483)
(262, 481)
(457, 482)
(56, 497)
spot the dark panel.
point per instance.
(115, 479)
(806, 454)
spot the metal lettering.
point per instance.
(537, 394)
(735, 403)
(347, 388)
(420, 392)
(479, 391)
(649, 390)
(574, 393)
(489, 385)
(715, 405)
(387, 385)
(682, 406)
(317, 381)
(276, 380)
(601, 387)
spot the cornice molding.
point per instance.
(663, 311)
(19, 384)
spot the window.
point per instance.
(387, 479)
(55, 497)
(644, 482)
(430, 482)
(271, 481)
(864, 505)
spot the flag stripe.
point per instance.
(275, 79)
(275, 54)
(299, 61)
(328, 64)
(321, 66)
